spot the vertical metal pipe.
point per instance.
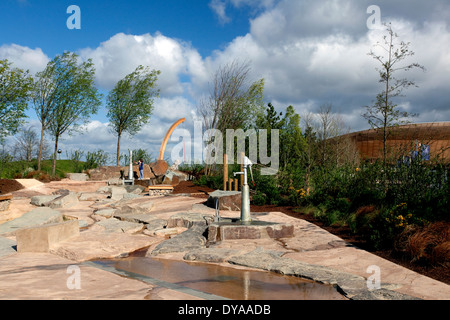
(130, 171)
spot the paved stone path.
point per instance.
(173, 227)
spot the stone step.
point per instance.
(36, 217)
(42, 238)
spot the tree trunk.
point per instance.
(54, 156)
(118, 149)
(40, 149)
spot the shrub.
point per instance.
(429, 244)
(259, 199)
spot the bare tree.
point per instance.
(385, 114)
(234, 101)
(27, 145)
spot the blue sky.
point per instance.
(310, 53)
(42, 23)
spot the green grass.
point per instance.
(16, 169)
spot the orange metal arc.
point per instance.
(166, 138)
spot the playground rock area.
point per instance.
(50, 229)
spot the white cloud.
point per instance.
(219, 8)
(317, 51)
(121, 54)
(25, 58)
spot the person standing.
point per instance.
(141, 169)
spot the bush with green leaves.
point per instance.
(96, 159)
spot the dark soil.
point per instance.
(8, 186)
(440, 273)
(193, 190)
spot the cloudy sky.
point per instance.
(310, 53)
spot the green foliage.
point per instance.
(25, 169)
(385, 114)
(130, 103)
(96, 159)
(65, 96)
(214, 182)
(15, 85)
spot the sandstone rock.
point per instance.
(156, 224)
(64, 201)
(187, 220)
(4, 205)
(41, 201)
(127, 196)
(137, 218)
(174, 177)
(107, 213)
(42, 238)
(116, 225)
(159, 168)
(140, 205)
(215, 255)
(105, 173)
(167, 232)
(228, 200)
(92, 196)
(7, 246)
(188, 240)
(77, 176)
(352, 286)
(114, 182)
(117, 192)
(255, 230)
(135, 189)
(35, 217)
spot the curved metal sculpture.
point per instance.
(166, 138)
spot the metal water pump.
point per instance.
(245, 200)
(130, 169)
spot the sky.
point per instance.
(310, 53)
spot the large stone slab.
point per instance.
(141, 205)
(214, 255)
(136, 218)
(233, 230)
(92, 196)
(352, 286)
(116, 225)
(105, 173)
(7, 247)
(117, 192)
(188, 219)
(42, 238)
(77, 176)
(64, 201)
(33, 218)
(159, 168)
(188, 240)
(228, 200)
(44, 200)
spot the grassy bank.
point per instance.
(25, 169)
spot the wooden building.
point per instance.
(431, 139)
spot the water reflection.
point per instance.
(228, 282)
